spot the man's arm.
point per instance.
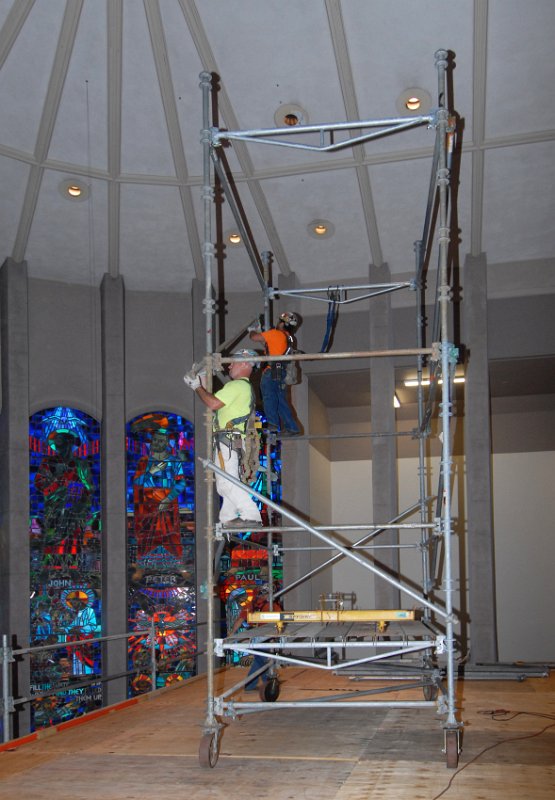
(194, 382)
(208, 398)
(257, 336)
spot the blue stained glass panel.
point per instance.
(65, 573)
(161, 547)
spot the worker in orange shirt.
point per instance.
(277, 342)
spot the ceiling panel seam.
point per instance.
(196, 28)
(12, 26)
(345, 73)
(167, 93)
(500, 142)
(114, 76)
(478, 122)
(51, 104)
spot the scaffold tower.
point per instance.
(347, 639)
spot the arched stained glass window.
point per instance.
(65, 574)
(161, 547)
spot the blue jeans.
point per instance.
(257, 663)
(276, 407)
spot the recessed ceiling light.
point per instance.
(74, 189)
(414, 101)
(233, 237)
(320, 228)
(290, 115)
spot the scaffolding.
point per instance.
(346, 640)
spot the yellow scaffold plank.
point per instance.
(333, 615)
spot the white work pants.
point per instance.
(236, 501)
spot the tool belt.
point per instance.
(247, 446)
(232, 438)
(276, 369)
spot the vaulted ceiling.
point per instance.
(108, 93)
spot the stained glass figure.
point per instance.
(161, 538)
(65, 547)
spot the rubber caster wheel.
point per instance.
(452, 749)
(430, 691)
(269, 691)
(208, 751)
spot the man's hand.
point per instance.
(192, 380)
(254, 327)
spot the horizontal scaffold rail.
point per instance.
(232, 708)
(278, 136)
(410, 351)
(309, 293)
(368, 526)
(284, 651)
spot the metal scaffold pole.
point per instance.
(447, 362)
(209, 741)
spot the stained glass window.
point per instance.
(161, 546)
(65, 574)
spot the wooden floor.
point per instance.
(150, 750)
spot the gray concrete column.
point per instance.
(14, 476)
(384, 449)
(114, 516)
(477, 437)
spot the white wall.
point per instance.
(524, 524)
(352, 503)
(524, 514)
(320, 514)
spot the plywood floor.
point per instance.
(150, 750)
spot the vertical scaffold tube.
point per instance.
(443, 243)
(208, 255)
(266, 258)
(424, 535)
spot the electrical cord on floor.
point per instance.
(500, 715)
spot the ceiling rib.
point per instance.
(114, 76)
(160, 53)
(13, 24)
(204, 50)
(46, 126)
(345, 72)
(478, 123)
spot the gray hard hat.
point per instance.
(289, 318)
(245, 352)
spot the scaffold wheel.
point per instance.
(208, 751)
(452, 748)
(269, 691)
